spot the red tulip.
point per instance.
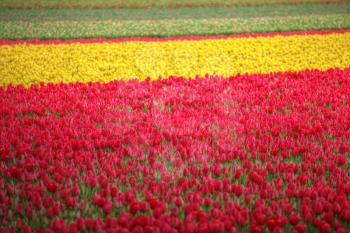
(294, 219)
(301, 228)
(134, 207)
(107, 207)
(52, 187)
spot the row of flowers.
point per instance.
(249, 153)
(123, 60)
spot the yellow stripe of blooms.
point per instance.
(28, 64)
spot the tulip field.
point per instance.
(216, 130)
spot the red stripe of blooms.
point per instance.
(172, 38)
(176, 155)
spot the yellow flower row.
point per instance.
(83, 62)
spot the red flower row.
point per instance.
(247, 153)
(171, 38)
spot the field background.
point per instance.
(85, 149)
(227, 17)
(149, 3)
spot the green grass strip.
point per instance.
(182, 13)
(147, 3)
(114, 23)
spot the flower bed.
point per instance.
(246, 153)
(99, 60)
